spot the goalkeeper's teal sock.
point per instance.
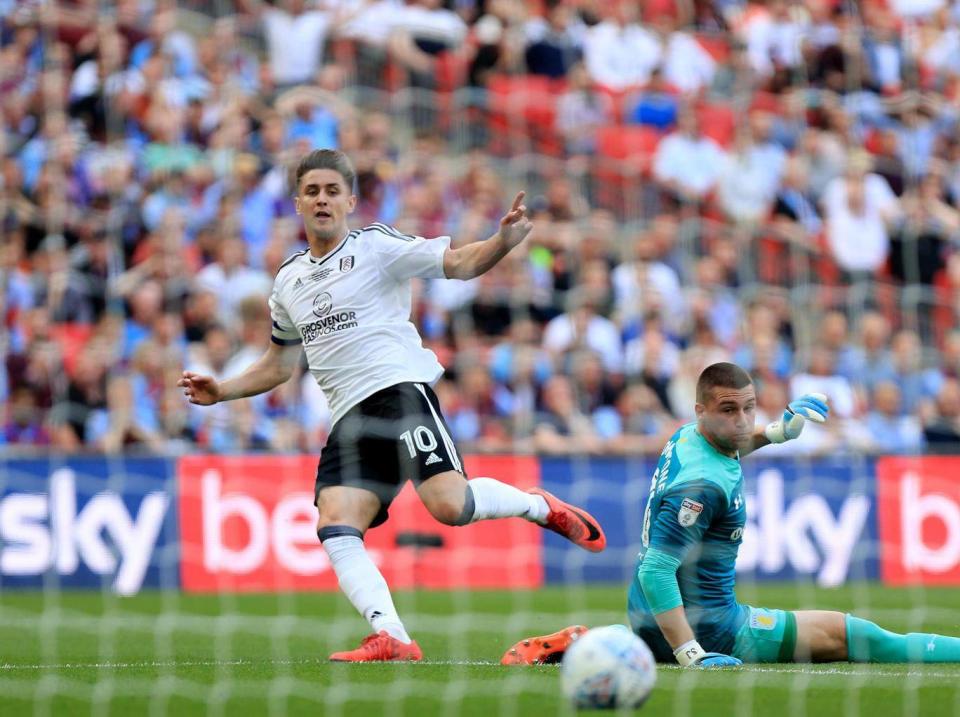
(867, 642)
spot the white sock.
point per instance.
(493, 499)
(363, 585)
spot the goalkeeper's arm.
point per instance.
(812, 406)
(658, 579)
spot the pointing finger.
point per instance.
(517, 200)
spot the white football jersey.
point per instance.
(351, 311)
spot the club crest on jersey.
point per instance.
(689, 512)
(346, 263)
(322, 304)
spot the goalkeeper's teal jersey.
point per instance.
(695, 513)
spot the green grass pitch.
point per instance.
(166, 653)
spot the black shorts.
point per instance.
(395, 435)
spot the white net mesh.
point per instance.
(162, 558)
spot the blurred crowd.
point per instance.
(772, 183)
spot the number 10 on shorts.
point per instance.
(420, 438)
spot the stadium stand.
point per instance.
(145, 206)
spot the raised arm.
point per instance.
(474, 259)
(269, 371)
(811, 406)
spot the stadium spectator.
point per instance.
(652, 358)
(687, 163)
(890, 429)
(645, 281)
(582, 327)
(928, 226)
(138, 153)
(295, 38)
(859, 208)
(833, 334)
(950, 355)
(591, 385)
(686, 65)
(554, 43)
(746, 183)
(23, 420)
(761, 346)
(581, 110)
(941, 431)
(918, 382)
(421, 31)
(656, 106)
(821, 370)
(882, 51)
(872, 362)
(231, 279)
(773, 38)
(795, 213)
(638, 423)
(619, 52)
(476, 413)
(561, 427)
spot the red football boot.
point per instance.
(380, 647)
(574, 524)
(544, 650)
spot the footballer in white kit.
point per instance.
(351, 311)
(346, 301)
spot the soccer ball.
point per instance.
(608, 667)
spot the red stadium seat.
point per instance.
(71, 338)
(766, 102)
(717, 46)
(625, 155)
(451, 70)
(718, 122)
(632, 142)
(523, 113)
(451, 75)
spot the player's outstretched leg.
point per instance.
(868, 642)
(824, 636)
(453, 500)
(574, 524)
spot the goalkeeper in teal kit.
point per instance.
(681, 600)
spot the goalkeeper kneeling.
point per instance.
(682, 601)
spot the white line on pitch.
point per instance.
(833, 672)
(209, 663)
(240, 662)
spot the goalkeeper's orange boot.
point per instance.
(572, 523)
(380, 647)
(544, 650)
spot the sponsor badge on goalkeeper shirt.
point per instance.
(762, 620)
(690, 511)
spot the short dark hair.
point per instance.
(326, 159)
(724, 375)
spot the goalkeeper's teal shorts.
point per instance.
(766, 636)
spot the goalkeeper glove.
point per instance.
(690, 654)
(812, 405)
